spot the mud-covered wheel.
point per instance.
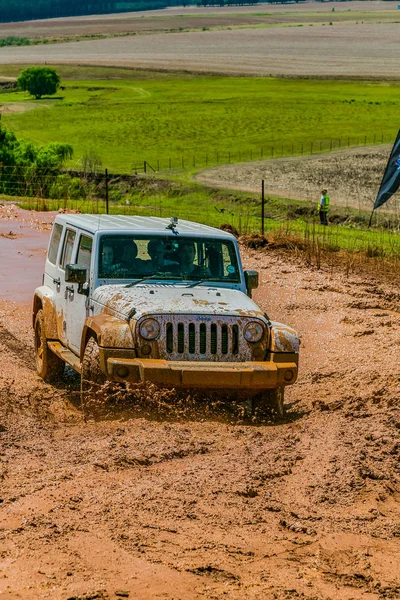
(48, 365)
(92, 381)
(270, 401)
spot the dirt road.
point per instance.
(185, 505)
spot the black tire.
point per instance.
(48, 365)
(92, 381)
(270, 401)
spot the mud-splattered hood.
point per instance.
(147, 299)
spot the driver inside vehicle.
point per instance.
(129, 260)
(158, 262)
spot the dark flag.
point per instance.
(391, 177)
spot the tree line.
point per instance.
(26, 10)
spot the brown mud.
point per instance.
(179, 504)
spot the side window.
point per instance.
(54, 243)
(85, 251)
(67, 249)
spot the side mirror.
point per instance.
(251, 278)
(75, 274)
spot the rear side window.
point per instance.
(84, 251)
(54, 243)
(68, 247)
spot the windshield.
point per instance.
(133, 257)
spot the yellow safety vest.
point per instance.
(324, 208)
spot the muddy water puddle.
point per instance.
(22, 252)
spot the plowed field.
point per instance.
(341, 40)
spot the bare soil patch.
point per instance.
(183, 507)
(352, 176)
(19, 107)
(194, 17)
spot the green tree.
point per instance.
(39, 81)
(27, 169)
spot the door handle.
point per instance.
(69, 291)
(57, 282)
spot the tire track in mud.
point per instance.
(18, 347)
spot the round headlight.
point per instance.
(149, 329)
(253, 332)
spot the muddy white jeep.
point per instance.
(143, 299)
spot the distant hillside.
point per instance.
(26, 10)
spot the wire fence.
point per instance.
(197, 160)
(100, 191)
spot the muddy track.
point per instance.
(17, 348)
(174, 497)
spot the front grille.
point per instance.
(205, 338)
(214, 339)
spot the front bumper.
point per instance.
(234, 375)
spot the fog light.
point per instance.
(258, 353)
(122, 372)
(288, 375)
(146, 349)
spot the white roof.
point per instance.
(138, 225)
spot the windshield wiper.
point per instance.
(205, 279)
(154, 276)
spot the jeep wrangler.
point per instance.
(144, 299)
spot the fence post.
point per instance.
(106, 191)
(262, 206)
(169, 164)
(144, 167)
(158, 165)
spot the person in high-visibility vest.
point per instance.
(323, 207)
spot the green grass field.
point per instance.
(182, 120)
(187, 121)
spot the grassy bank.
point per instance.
(184, 121)
(291, 224)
